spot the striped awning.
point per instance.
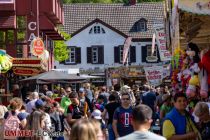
(8, 22)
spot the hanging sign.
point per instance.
(37, 47)
(25, 71)
(159, 28)
(154, 75)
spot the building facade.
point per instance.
(99, 32)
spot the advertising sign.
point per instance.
(154, 75)
(37, 47)
(26, 71)
(159, 28)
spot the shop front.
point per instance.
(131, 75)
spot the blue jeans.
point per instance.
(111, 132)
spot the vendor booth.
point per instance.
(190, 42)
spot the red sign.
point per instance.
(37, 47)
(26, 61)
(25, 71)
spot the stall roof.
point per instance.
(54, 75)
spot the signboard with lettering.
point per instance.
(159, 28)
(154, 75)
(25, 71)
(37, 47)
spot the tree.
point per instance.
(61, 51)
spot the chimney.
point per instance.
(132, 2)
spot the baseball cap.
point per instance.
(39, 103)
(96, 114)
(81, 90)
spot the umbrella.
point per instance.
(54, 75)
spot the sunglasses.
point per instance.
(126, 99)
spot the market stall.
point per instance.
(190, 41)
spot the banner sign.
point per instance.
(25, 71)
(154, 75)
(195, 6)
(26, 61)
(126, 48)
(159, 28)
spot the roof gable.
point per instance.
(117, 16)
(98, 21)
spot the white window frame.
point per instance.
(142, 25)
(121, 54)
(97, 30)
(94, 55)
(72, 51)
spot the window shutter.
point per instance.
(78, 55)
(100, 55)
(117, 54)
(158, 54)
(144, 53)
(133, 54)
(89, 54)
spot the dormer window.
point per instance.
(140, 26)
(97, 30)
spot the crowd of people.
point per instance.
(123, 113)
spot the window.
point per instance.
(72, 56)
(19, 51)
(149, 50)
(121, 54)
(94, 55)
(2, 40)
(97, 30)
(21, 28)
(140, 26)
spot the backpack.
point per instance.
(85, 108)
(12, 123)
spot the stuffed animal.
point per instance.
(193, 53)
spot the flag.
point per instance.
(126, 48)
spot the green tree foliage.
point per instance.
(61, 52)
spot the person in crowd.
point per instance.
(137, 94)
(45, 89)
(159, 100)
(3, 110)
(95, 98)
(122, 117)
(84, 99)
(65, 100)
(127, 89)
(202, 111)
(149, 98)
(178, 124)
(141, 121)
(89, 93)
(96, 114)
(110, 108)
(105, 94)
(16, 91)
(166, 106)
(14, 110)
(77, 109)
(84, 129)
(31, 104)
(99, 133)
(39, 120)
(24, 91)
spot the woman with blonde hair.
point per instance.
(83, 129)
